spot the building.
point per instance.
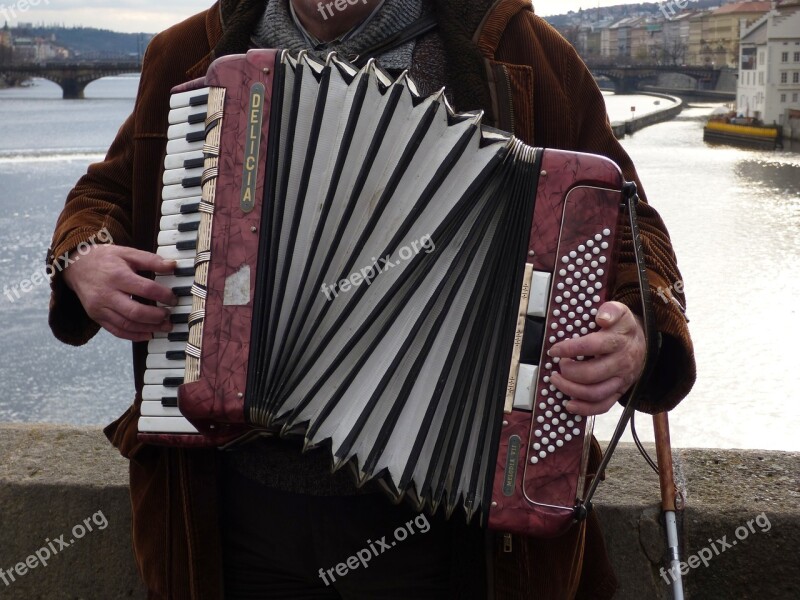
(769, 69)
(675, 38)
(647, 41)
(714, 35)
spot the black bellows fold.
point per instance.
(393, 243)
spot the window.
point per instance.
(784, 77)
(761, 78)
(794, 98)
(796, 77)
(784, 57)
(783, 98)
(797, 57)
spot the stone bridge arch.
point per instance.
(72, 78)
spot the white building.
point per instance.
(769, 68)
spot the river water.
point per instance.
(734, 216)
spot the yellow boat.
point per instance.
(750, 136)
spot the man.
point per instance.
(263, 522)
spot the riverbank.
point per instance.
(671, 110)
(747, 498)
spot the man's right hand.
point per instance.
(105, 279)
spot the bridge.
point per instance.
(71, 77)
(627, 79)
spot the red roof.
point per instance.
(744, 7)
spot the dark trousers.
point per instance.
(283, 545)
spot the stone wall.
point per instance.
(63, 481)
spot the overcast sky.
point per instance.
(155, 15)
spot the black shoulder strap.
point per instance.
(421, 26)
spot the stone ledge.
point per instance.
(54, 478)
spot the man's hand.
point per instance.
(105, 278)
(614, 360)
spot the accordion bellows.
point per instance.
(360, 279)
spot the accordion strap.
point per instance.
(421, 26)
(652, 347)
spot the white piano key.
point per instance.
(172, 253)
(185, 98)
(172, 222)
(173, 192)
(180, 146)
(165, 425)
(156, 376)
(171, 281)
(173, 236)
(540, 292)
(173, 176)
(160, 361)
(162, 346)
(181, 130)
(176, 161)
(181, 115)
(176, 328)
(173, 207)
(526, 385)
(154, 393)
(154, 408)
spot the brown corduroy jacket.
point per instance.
(502, 59)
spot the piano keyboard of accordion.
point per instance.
(370, 268)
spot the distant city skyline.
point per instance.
(151, 16)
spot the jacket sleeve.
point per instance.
(97, 208)
(675, 370)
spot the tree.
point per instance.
(674, 52)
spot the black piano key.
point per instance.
(179, 318)
(187, 245)
(169, 401)
(176, 355)
(178, 336)
(194, 163)
(197, 118)
(172, 381)
(182, 291)
(198, 100)
(189, 226)
(196, 136)
(188, 209)
(532, 341)
(189, 182)
(184, 272)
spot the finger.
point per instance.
(596, 392)
(121, 322)
(594, 370)
(593, 344)
(611, 314)
(127, 335)
(579, 407)
(146, 261)
(136, 312)
(136, 285)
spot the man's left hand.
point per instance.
(614, 360)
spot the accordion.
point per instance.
(363, 268)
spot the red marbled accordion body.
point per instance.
(577, 196)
